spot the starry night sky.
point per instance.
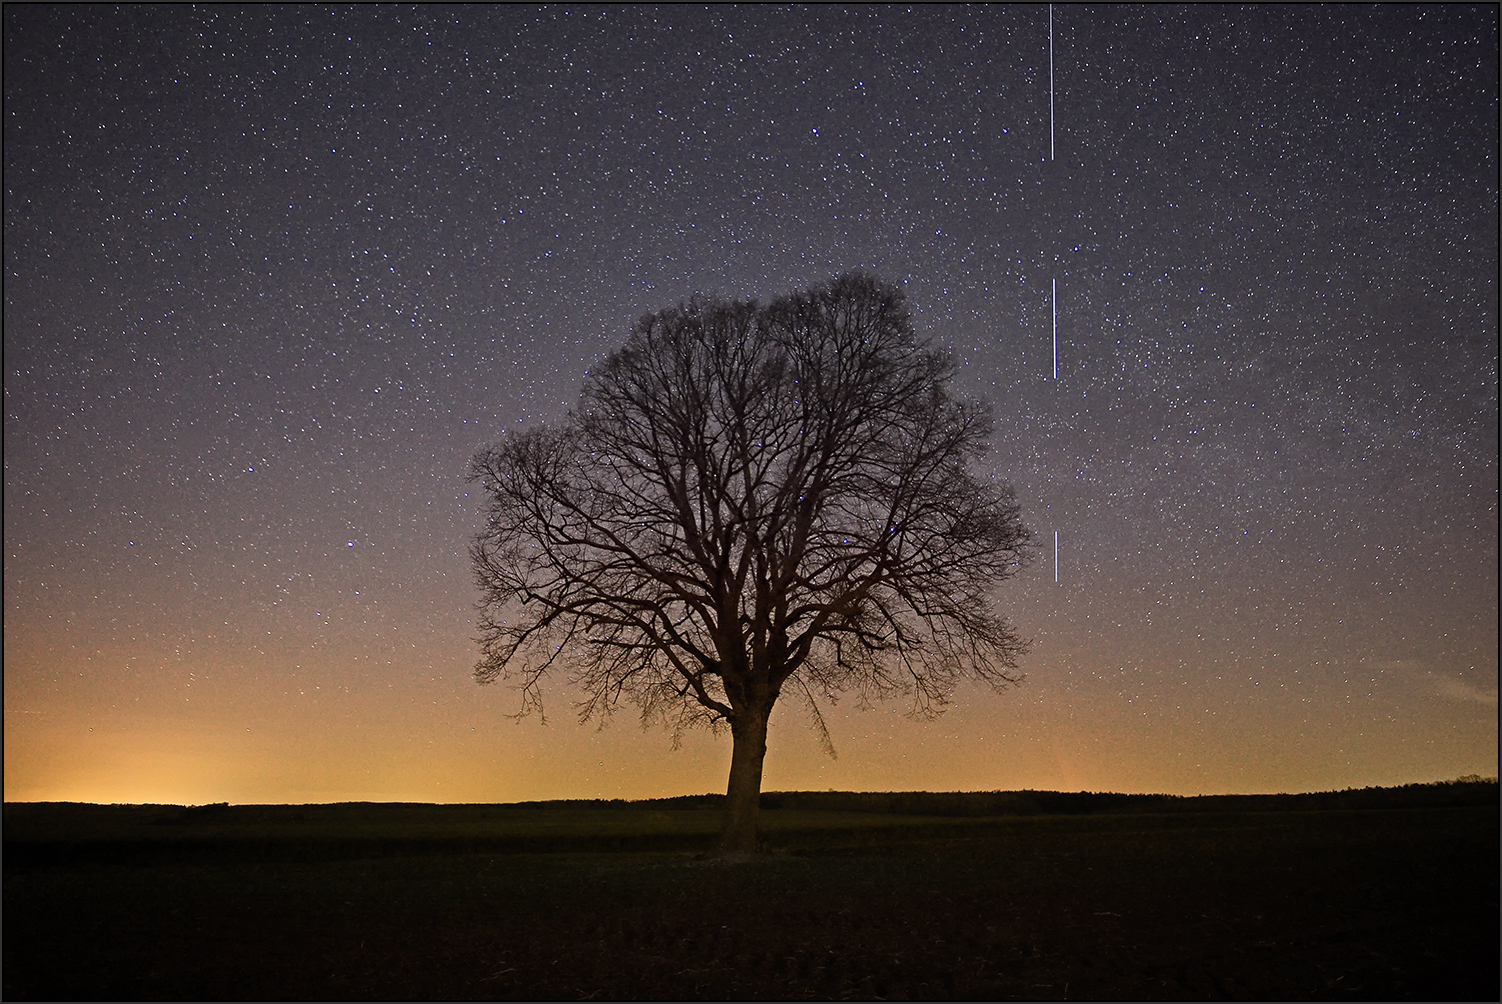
(272, 275)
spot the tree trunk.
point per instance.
(743, 796)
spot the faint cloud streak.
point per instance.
(1460, 690)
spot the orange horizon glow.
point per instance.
(1028, 738)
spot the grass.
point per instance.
(578, 902)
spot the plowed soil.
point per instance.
(1376, 904)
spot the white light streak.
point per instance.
(1055, 299)
(1056, 556)
(1050, 81)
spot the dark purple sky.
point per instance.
(273, 274)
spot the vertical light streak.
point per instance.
(1056, 556)
(1050, 81)
(1055, 299)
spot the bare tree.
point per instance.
(751, 499)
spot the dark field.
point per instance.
(1353, 895)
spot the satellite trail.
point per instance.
(1056, 556)
(1050, 81)
(1055, 299)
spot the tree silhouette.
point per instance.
(751, 499)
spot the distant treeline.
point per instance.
(1472, 790)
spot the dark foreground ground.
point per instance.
(466, 902)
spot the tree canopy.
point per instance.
(751, 498)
